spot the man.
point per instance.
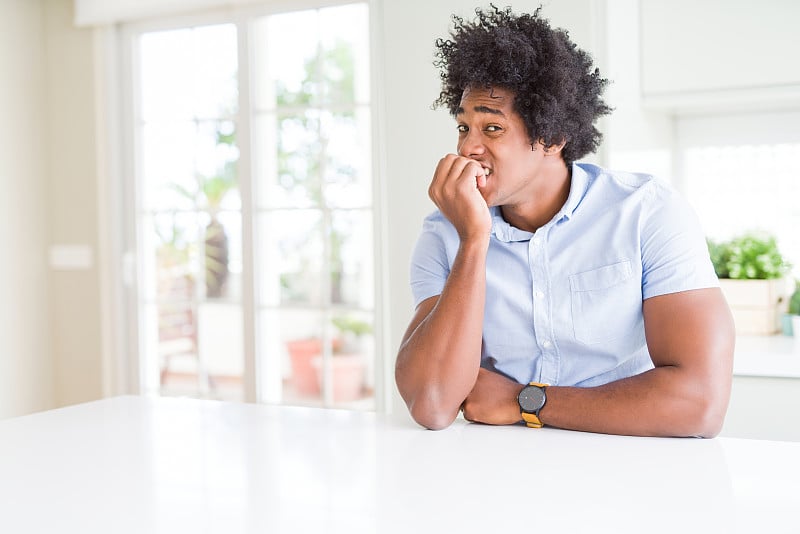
(550, 291)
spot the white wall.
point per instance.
(49, 319)
(26, 366)
(635, 139)
(72, 203)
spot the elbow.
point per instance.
(430, 413)
(710, 397)
(708, 423)
(426, 403)
(433, 421)
(707, 416)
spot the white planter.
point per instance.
(757, 305)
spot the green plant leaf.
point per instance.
(749, 256)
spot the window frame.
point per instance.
(127, 193)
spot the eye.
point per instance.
(493, 128)
(462, 128)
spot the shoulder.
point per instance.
(645, 188)
(436, 223)
(600, 177)
(438, 236)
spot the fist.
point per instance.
(493, 400)
(456, 191)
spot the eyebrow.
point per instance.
(482, 109)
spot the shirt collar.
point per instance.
(504, 231)
(577, 190)
(578, 185)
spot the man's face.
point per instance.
(492, 133)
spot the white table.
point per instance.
(141, 465)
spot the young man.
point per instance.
(549, 291)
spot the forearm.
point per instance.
(438, 361)
(665, 401)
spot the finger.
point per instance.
(473, 174)
(441, 175)
(481, 177)
(448, 180)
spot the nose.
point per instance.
(470, 144)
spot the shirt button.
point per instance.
(547, 344)
(539, 294)
(536, 241)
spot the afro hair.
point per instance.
(557, 92)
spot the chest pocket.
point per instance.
(606, 303)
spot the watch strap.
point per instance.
(531, 420)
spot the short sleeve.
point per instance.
(675, 255)
(430, 266)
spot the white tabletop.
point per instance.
(142, 465)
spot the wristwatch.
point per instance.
(531, 399)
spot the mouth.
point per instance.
(487, 171)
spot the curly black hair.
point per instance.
(557, 93)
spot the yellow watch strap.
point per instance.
(531, 420)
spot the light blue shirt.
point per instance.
(564, 304)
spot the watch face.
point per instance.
(531, 399)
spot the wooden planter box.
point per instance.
(757, 305)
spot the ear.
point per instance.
(554, 149)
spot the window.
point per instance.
(741, 172)
(253, 216)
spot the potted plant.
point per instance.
(207, 194)
(348, 364)
(752, 275)
(349, 360)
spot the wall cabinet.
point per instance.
(719, 53)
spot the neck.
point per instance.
(550, 195)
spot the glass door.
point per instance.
(275, 252)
